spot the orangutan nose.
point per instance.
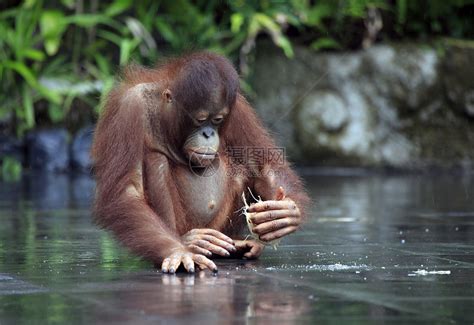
(208, 132)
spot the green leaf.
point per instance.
(285, 44)
(23, 71)
(29, 4)
(11, 169)
(28, 111)
(33, 54)
(55, 113)
(402, 7)
(88, 20)
(254, 27)
(103, 64)
(325, 43)
(51, 46)
(27, 96)
(319, 12)
(126, 48)
(52, 26)
(50, 95)
(356, 8)
(68, 3)
(165, 30)
(51, 23)
(117, 7)
(236, 21)
(109, 36)
(267, 22)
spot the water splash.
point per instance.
(422, 272)
(319, 267)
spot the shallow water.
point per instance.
(377, 248)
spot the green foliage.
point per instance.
(436, 17)
(57, 56)
(10, 169)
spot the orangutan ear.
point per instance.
(167, 96)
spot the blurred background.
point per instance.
(378, 83)
(367, 86)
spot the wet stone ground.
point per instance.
(377, 249)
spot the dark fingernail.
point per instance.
(215, 271)
(164, 271)
(209, 254)
(172, 271)
(227, 253)
(233, 249)
(191, 270)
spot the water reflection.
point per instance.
(205, 298)
(49, 191)
(390, 225)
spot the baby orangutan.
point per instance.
(170, 172)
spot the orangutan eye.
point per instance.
(217, 120)
(201, 120)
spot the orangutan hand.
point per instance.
(208, 242)
(182, 256)
(274, 219)
(249, 248)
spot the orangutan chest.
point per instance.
(202, 194)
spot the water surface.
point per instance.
(376, 248)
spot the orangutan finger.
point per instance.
(204, 262)
(216, 241)
(278, 233)
(261, 217)
(199, 250)
(254, 252)
(242, 244)
(165, 266)
(175, 262)
(212, 248)
(219, 235)
(272, 205)
(188, 263)
(274, 225)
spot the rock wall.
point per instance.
(51, 150)
(397, 105)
